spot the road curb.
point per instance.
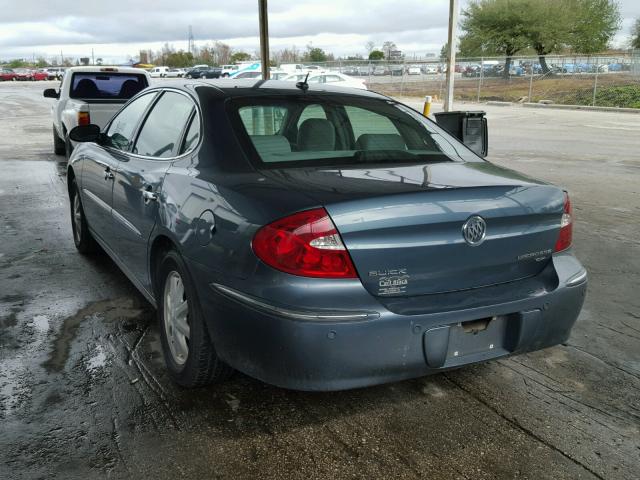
(580, 107)
(500, 104)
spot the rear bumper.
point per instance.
(341, 349)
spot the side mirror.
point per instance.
(85, 133)
(468, 127)
(51, 93)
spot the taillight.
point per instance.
(84, 118)
(566, 226)
(306, 244)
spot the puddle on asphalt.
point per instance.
(107, 310)
(41, 323)
(97, 361)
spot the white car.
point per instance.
(227, 70)
(334, 78)
(159, 72)
(174, 73)
(414, 70)
(430, 69)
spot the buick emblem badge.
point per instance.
(474, 230)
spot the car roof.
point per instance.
(248, 87)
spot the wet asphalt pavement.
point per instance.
(84, 394)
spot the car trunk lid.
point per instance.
(406, 236)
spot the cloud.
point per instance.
(127, 25)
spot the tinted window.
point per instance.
(368, 122)
(339, 130)
(123, 126)
(162, 130)
(106, 85)
(193, 135)
(262, 120)
(312, 111)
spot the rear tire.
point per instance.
(84, 241)
(58, 144)
(189, 354)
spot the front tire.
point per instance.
(84, 241)
(188, 352)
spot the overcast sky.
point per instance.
(118, 29)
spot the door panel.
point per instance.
(138, 183)
(134, 216)
(97, 189)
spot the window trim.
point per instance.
(159, 92)
(137, 127)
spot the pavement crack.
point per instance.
(609, 364)
(522, 428)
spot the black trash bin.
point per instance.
(469, 127)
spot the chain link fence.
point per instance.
(603, 80)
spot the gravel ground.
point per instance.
(84, 394)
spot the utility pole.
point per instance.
(264, 38)
(451, 54)
(190, 46)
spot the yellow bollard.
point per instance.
(426, 110)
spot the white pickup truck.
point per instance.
(91, 95)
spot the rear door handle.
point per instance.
(108, 174)
(149, 196)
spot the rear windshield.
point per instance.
(290, 131)
(107, 85)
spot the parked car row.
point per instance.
(23, 74)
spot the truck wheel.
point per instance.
(58, 143)
(188, 352)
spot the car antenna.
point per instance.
(303, 85)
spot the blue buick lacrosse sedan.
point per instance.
(320, 238)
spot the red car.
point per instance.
(39, 75)
(23, 74)
(7, 74)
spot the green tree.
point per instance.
(595, 24)
(315, 54)
(635, 34)
(495, 26)
(546, 26)
(42, 62)
(376, 55)
(240, 57)
(18, 63)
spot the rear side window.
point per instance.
(106, 86)
(162, 130)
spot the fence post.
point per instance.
(595, 87)
(480, 78)
(531, 83)
(402, 81)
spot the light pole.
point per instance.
(451, 54)
(264, 38)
